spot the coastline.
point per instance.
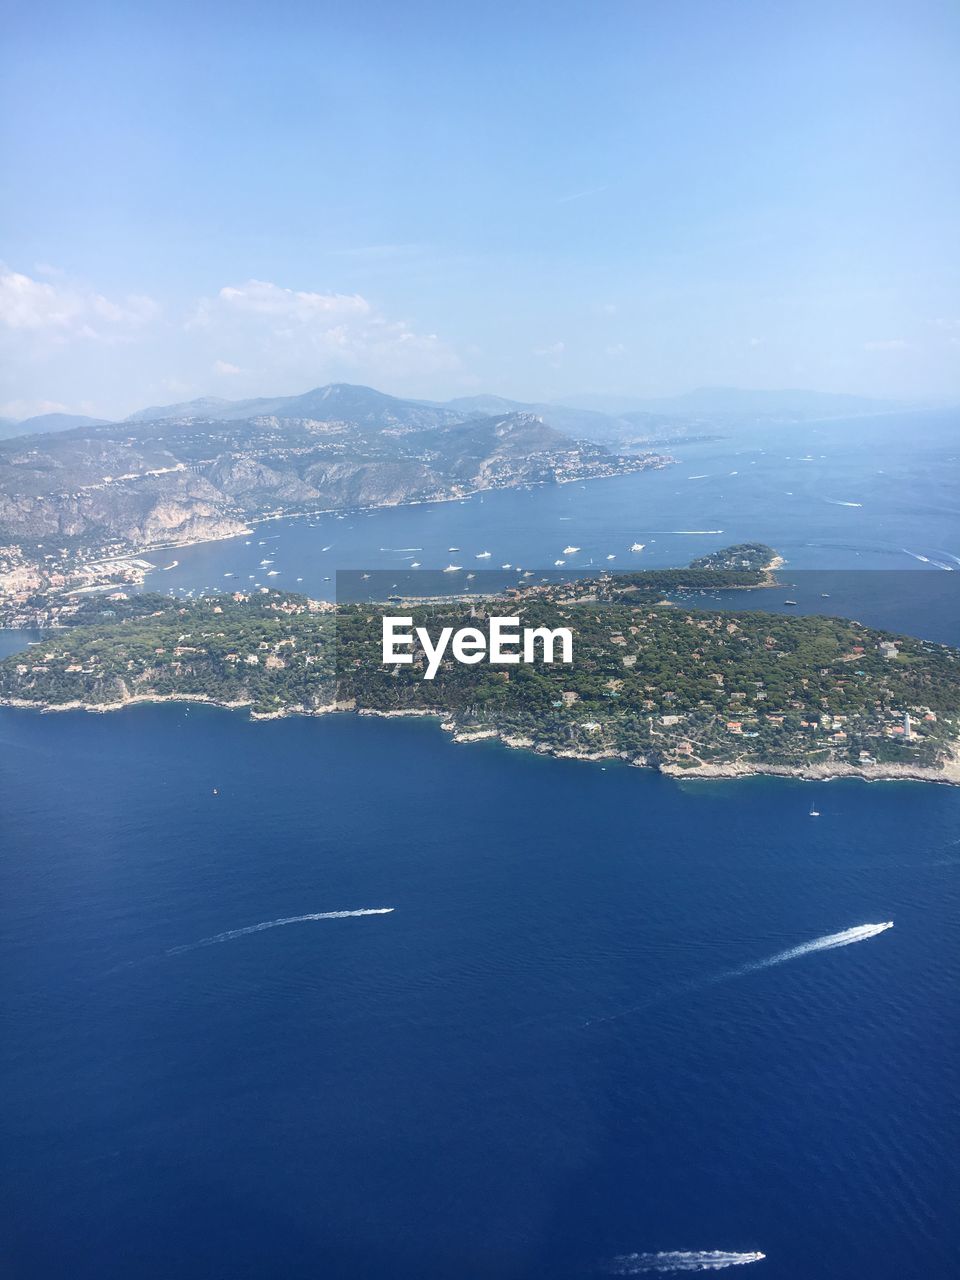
(249, 524)
(949, 775)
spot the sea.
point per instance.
(339, 997)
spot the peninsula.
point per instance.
(690, 690)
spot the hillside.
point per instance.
(687, 690)
(125, 486)
(45, 423)
(340, 402)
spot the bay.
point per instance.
(562, 1045)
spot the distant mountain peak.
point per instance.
(335, 400)
(45, 423)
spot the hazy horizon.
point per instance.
(725, 400)
(538, 203)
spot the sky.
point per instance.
(538, 200)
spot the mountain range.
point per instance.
(186, 477)
(596, 417)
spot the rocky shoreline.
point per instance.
(949, 775)
(225, 527)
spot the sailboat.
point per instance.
(814, 812)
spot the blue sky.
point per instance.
(532, 199)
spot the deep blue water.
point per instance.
(432, 1093)
(552, 1051)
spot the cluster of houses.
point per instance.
(828, 729)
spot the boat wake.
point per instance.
(829, 942)
(230, 934)
(929, 560)
(632, 1264)
(845, 938)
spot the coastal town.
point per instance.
(93, 508)
(46, 588)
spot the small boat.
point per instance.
(453, 548)
(559, 562)
(453, 568)
(789, 602)
(568, 551)
(415, 565)
(483, 555)
(814, 813)
(638, 546)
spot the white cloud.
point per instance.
(58, 338)
(317, 336)
(616, 349)
(552, 353)
(61, 311)
(19, 409)
(886, 344)
(755, 342)
(259, 297)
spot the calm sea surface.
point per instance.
(877, 494)
(563, 1045)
